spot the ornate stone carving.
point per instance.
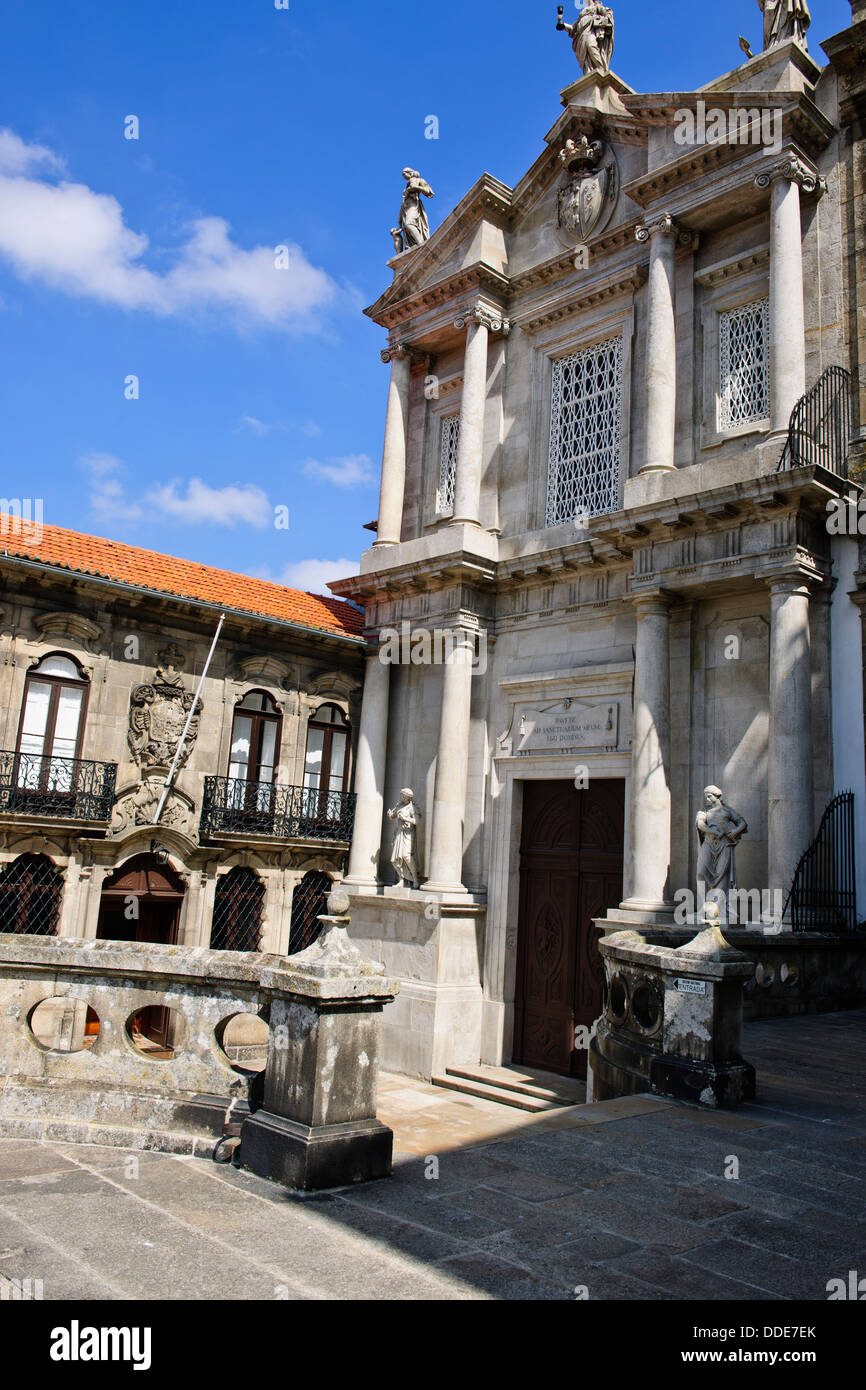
(68, 625)
(414, 229)
(720, 829)
(591, 36)
(783, 20)
(588, 197)
(795, 170)
(137, 806)
(492, 320)
(158, 712)
(403, 850)
(664, 225)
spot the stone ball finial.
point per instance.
(338, 902)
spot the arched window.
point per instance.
(237, 911)
(326, 768)
(52, 724)
(309, 902)
(255, 747)
(31, 888)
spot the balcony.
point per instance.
(233, 809)
(65, 789)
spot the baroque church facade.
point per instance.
(625, 397)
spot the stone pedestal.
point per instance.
(317, 1126)
(673, 1021)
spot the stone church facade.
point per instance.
(593, 493)
(101, 650)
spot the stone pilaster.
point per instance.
(660, 382)
(393, 481)
(479, 322)
(650, 760)
(449, 795)
(785, 181)
(370, 773)
(791, 809)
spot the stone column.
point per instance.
(390, 523)
(650, 758)
(660, 382)
(370, 772)
(479, 322)
(791, 810)
(449, 795)
(787, 318)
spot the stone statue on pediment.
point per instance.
(414, 228)
(591, 36)
(783, 20)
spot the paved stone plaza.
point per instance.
(627, 1199)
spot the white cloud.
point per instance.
(249, 422)
(193, 502)
(352, 470)
(69, 237)
(313, 575)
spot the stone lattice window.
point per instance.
(744, 386)
(585, 421)
(448, 436)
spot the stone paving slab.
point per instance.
(630, 1200)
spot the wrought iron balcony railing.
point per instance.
(62, 788)
(231, 806)
(819, 430)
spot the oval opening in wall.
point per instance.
(153, 1031)
(64, 1025)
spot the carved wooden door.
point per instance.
(570, 871)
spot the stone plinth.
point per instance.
(673, 1021)
(317, 1125)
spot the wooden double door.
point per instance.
(571, 870)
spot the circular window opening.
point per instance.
(244, 1040)
(765, 974)
(617, 998)
(64, 1025)
(789, 974)
(154, 1031)
(645, 1007)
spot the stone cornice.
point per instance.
(474, 278)
(713, 275)
(613, 286)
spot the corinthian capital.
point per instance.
(794, 170)
(493, 320)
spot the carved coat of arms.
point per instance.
(587, 199)
(158, 713)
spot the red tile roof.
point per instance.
(164, 574)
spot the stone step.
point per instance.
(484, 1090)
(562, 1090)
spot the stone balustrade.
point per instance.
(81, 1060)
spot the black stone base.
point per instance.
(299, 1156)
(726, 1085)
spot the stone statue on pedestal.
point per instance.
(720, 829)
(591, 36)
(403, 853)
(414, 229)
(783, 20)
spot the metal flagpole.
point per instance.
(166, 787)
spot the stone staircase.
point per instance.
(523, 1088)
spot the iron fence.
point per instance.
(67, 788)
(231, 806)
(819, 430)
(823, 895)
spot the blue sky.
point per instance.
(258, 127)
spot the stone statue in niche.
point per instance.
(158, 713)
(591, 36)
(720, 830)
(783, 20)
(403, 851)
(414, 228)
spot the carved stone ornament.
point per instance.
(137, 806)
(794, 170)
(158, 712)
(587, 199)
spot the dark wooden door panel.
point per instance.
(570, 871)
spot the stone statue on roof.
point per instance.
(783, 20)
(414, 229)
(591, 36)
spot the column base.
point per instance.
(657, 468)
(315, 1157)
(437, 886)
(655, 907)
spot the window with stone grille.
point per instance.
(237, 911)
(449, 433)
(309, 902)
(583, 472)
(744, 352)
(31, 889)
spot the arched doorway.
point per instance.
(141, 901)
